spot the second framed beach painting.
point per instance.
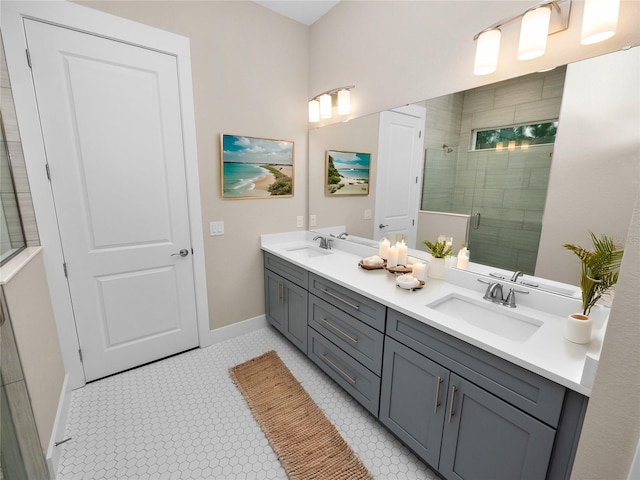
(256, 167)
(347, 173)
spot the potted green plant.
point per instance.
(600, 268)
(439, 251)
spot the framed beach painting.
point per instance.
(256, 167)
(347, 173)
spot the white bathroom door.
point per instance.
(111, 125)
(400, 147)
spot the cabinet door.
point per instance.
(412, 399)
(274, 297)
(486, 438)
(295, 327)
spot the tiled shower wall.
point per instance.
(16, 156)
(508, 188)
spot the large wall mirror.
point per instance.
(505, 161)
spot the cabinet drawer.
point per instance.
(526, 390)
(353, 336)
(357, 380)
(291, 272)
(368, 311)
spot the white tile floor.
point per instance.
(183, 418)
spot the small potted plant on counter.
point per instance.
(439, 251)
(600, 270)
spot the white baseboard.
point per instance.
(231, 331)
(59, 424)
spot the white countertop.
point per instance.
(546, 352)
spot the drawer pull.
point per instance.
(345, 335)
(436, 402)
(327, 292)
(453, 397)
(340, 371)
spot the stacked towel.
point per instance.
(372, 261)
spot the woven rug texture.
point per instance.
(307, 444)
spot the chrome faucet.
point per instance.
(495, 294)
(343, 235)
(516, 275)
(324, 242)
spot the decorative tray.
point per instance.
(373, 267)
(399, 269)
(417, 287)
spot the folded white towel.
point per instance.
(372, 261)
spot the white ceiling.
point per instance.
(303, 11)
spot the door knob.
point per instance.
(183, 253)
(382, 225)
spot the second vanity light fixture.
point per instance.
(321, 106)
(599, 22)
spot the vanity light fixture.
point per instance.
(321, 106)
(599, 23)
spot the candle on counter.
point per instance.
(420, 271)
(392, 261)
(402, 252)
(383, 249)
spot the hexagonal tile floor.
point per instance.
(183, 418)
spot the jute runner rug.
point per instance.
(305, 441)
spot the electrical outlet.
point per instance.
(300, 221)
(216, 228)
(312, 221)
(367, 214)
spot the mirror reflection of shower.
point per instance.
(446, 148)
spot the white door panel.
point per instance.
(399, 163)
(110, 116)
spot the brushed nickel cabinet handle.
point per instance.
(327, 292)
(338, 369)
(436, 402)
(453, 397)
(345, 335)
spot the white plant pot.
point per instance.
(577, 328)
(436, 268)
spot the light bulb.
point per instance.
(487, 49)
(533, 33)
(344, 102)
(599, 20)
(325, 106)
(314, 111)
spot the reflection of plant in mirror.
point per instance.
(600, 269)
(439, 249)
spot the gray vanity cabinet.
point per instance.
(286, 299)
(413, 399)
(485, 437)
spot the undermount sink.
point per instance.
(493, 318)
(308, 251)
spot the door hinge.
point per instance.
(64, 267)
(46, 165)
(419, 133)
(28, 57)
(413, 222)
(80, 355)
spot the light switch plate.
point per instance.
(216, 228)
(367, 214)
(312, 221)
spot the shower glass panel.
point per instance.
(12, 238)
(503, 191)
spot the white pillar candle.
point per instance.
(420, 271)
(383, 249)
(402, 253)
(392, 261)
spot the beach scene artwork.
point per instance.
(347, 173)
(256, 167)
